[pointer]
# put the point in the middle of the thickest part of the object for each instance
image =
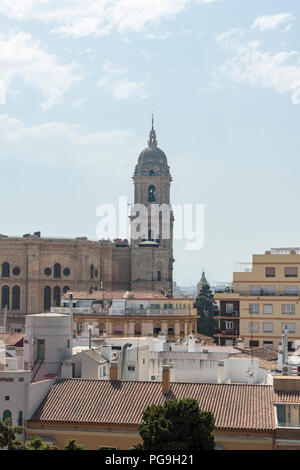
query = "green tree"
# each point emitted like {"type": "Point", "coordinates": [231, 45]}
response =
{"type": "Point", "coordinates": [38, 444]}
{"type": "Point", "coordinates": [177, 425]}
{"type": "Point", "coordinates": [8, 439]}
{"type": "Point", "coordinates": [206, 308]}
{"type": "Point", "coordinates": [73, 446]}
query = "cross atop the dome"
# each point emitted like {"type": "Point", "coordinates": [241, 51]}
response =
{"type": "Point", "coordinates": [152, 140]}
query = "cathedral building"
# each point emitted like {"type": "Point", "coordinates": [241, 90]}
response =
{"type": "Point", "coordinates": [35, 272]}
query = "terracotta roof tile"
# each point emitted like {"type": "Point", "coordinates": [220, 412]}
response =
{"type": "Point", "coordinates": [248, 407]}
{"type": "Point", "coordinates": [12, 339]}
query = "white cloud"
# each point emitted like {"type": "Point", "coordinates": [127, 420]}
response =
{"type": "Point", "coordinates": [22, 57]}
{"type": "Point", "coordinates": [85, 17]}
{"type": "Point", "coordinates": [251, 65]}
{"type": "Point", "coordinates": [61, 145]}
{"type": "Point", "coordinates": [116, 82]}
{"type": "Point", "coordinates": [269, 22]}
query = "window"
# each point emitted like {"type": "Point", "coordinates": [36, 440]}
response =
{"type": "Point", "coordinates": [47, 298]}
{"type": "Point", "coordinates": [151, 173]}
{"type": "Point", "coordinates": [57, 271]}
{"type": "Point", "coordinates": [48, 271]}
{"type": "Point", "coordinates": [151, 193]}
{"type": "Point", "coordinates": [253, 327]}
{"type": "Point", "coordinates": [6, 415]}
{"type": "Point", "coordinates": [281, 414]}
{"type": "Point", "coordinates": [268, 344]}
{"type": "Point", "coordinates": [253, 344]}
{"type": "Point", "coordinates": [291, 272]}
{"type": "Point", "coordinates": [131, 368]}
{"type": "Point", "coordinates": [254, 308]}
{"type": "Point", "coordinates": [289, 326]}
{"type": "Point", "coordinates": [156, 329]}
{"type": "Point", "coordinates": [268, 327]}
{"type": "Point", "coordinates": [5, 270]}
{"type": "Point", "coordinates": [159, 275]}
{"type": "Point", "coordinates": [229, 325]}
{"type": "Point", "coordinates": [229, 308]}
{"type": "Point", "coordinates": [92, 271]}
{"type": "Point", "coordinates": [67, 272]}
{"type": "Point", "coordinates": [268, 308]}
{"type": "Point", "coordinates": [118, 329]}
{"type": "Point", "coordinates": [138, 329]}
{"type": "Point", "coordinates": [56, 296]}
{"type": "Point", "coordinates": [5, 297]}
{"type": "Point", "coordinates": [16, 271]}
{"type": "Point", "coordinates": [66, 289]}
{"type": "Point", "coordinates": [6, 398]}
{"type": "Point", "coordinates": [20, 419]}
{"type": "Point", "coordinates": [288, 309]}
{"type": "Point", "coordinates": [291, 290]}
{"type": "Point", "coordinates": [270, 290]}
{"type": "Point", "coordinates": [270, 272]}
{"type": "Point", "coordinates": [16, 294]}
{"type": "Point", "coordinates": [255, 290]}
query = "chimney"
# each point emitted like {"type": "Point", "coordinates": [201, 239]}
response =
{"type": "Point", "coordinates": [114, 372]}
{"type": "Point", "coordinates": [166, 379]}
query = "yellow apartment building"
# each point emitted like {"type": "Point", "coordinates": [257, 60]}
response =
{"type": "Point", "coordinates": [262, 301]}
{"type": "Point", "coordinates": [131, 313]}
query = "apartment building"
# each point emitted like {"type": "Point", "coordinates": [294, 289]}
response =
{"type": "Point", "coordinates": [263, 300]}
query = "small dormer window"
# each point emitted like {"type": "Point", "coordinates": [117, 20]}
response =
{"type": "Point", "coordinates": [151, 173]}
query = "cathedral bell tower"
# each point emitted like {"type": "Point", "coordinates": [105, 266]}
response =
{"type": "Point", "coordinates": [152, 222]}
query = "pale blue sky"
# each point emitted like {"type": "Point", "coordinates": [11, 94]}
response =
{"type": "Point", "coordinates": [223, 79]}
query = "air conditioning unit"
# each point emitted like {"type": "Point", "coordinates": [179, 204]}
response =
{"type": "Point", "coordinates": [155, 378]}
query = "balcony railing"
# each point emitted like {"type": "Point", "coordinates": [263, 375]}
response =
{"type": "Point", "coordinates": [234, 314]}
{"type": "Point", "coordinates": [261, 293]}
{"type": "Point", "coordinates": [225, 332]}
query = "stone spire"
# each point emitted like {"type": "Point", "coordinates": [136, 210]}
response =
{"type": "Point", "coordinates": [152, 142]}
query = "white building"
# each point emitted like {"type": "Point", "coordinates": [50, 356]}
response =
{"type": "Point", "coordinates": [47, 342]}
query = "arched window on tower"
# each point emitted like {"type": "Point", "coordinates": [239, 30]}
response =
{"type": "Point", "coordinates": [57, 271]}
{"type": "Point", "coordinates": [47, 298]}
{"type": "Point", "coordinates": [5, 270]}
{"type": "Point", "coordinates": [56, 296]}
{"type": "Point", "coordinates": [151, 193]}
{"type": "Point", "coordinates": [16, 296]}
{"type": "Point", "coordinates": [5, 297]}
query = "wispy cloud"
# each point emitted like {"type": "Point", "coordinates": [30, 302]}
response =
{"type": "Point", "coordinates": [269, 22]}
{"type": "Point", "coordinates": [60, 145]}
{"type": "Point", "coordinates": [251, 65]}
{"type": "Point", "coordinates": [23, 57]}
{"type": "Point", "coordinates": [115, 81]}
{"type": "Point", "coordinates": [80, 18]}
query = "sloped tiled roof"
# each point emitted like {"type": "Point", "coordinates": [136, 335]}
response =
{"type": "Point", "coordinates": [12, 339]}
{"type": "Point", "coordinates": [243, 407]}
{"type": "Point", "coordinates": [268, 354]}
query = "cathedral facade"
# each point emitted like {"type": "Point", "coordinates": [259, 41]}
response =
{"type": "Point", "coordinates": [35, 272]}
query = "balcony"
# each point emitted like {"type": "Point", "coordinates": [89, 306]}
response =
{"type": "Point", "coordinates": [261, 293]}
{"type": "Point", "coordinates": [233, 314]}
{"type": "Point", "coordinates": [221, 332]}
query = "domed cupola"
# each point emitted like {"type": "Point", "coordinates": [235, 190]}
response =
{"type": "Point", "coordinates": [152, 161]}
